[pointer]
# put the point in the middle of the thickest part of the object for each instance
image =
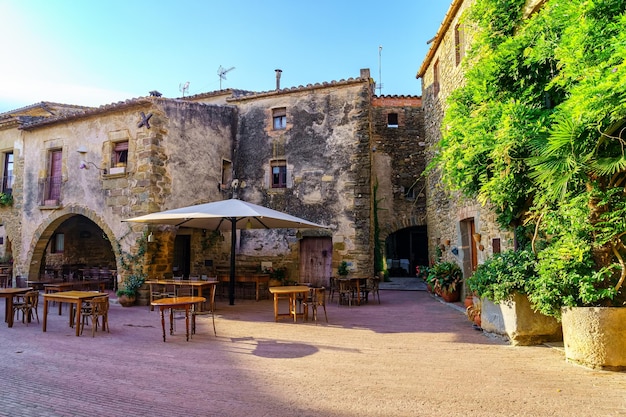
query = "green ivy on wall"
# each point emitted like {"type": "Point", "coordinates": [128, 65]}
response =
{"type": "Point", "coordinates": [6, 199]}
{"type": "Point", "coordinates": [538, 131]}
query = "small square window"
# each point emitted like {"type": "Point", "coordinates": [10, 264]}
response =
{"type": "Point", "coordinates": [392, 120]}
{"type": "Point", "coordinates": [279, 117]}
{"type": "Point", "coordinates": [119, 158]}
{"type": "Point", "coordinates": [279, 174]}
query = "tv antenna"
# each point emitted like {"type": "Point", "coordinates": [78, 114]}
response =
{"type": "Point", "coordinates": [380, 76]}
{"type": "Point", "coordinates": [221, 71]}
{"type": "Point", "coordinates": [184, 88]}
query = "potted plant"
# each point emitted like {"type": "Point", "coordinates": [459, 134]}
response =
{"type": "Point", "coordinates": [127, 295]}
{"type": "Point", "coordinates": [343, 269]}
{"type": "Point", "coordinates": [445, 278]}
{"type": "Point", "coordinates": [277, 276]}
{"type": "Point", "coordinates": [580, 276]}
{"type": "Point", "coordinates": [133, 271]}
{"type": "Point", "coordinates": [503, 275]}
{"type": "Point", "coordinates": [503, 282]}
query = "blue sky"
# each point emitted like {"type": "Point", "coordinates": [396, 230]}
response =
{"type": "Point", "coordinates": [95, 52]}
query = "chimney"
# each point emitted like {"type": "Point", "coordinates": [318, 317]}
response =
{"type": "Point", "coordinates": [278, 72]}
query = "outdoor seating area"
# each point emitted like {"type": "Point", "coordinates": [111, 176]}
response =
{"type": "Point", "coordinates": [354, 290]}
{"type": "Point", "coordinates": [252, 351]}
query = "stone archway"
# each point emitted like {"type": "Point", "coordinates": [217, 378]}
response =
{"type": "Point", "coordinates": [406, 245]}
{"type": "Point", "coordinates": [82, 224]}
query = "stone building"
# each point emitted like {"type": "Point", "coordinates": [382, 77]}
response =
{"type": "Point", "coordinates": [462, 229]}
{"type": "Point", "coordinates": [332, 153]}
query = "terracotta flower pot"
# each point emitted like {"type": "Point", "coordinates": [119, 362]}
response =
{"type": "Point", "coordinates": [450, 296]}
{"type": "Point", "coordinates": [469, 300]}
{"type": "Point", "coordinates": [126, 300]}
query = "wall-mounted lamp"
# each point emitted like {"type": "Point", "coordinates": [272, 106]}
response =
{"type": "Point", "coordinates": [82, 149]}
{"type": "Point", "coordinates": [85, 165]}
{"type": "Point", "coordinates": [477, 237]}
{"type": "Point", "coordinates": [150, 238]}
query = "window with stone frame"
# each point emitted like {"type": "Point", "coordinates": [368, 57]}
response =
{"type": "Point", "coordinates": [279, 118]}
{"type": "Point", "coordinates": [119, 155]}
{"type": "Point", "coordinates": [7, 177]}
{"type": "Point", "coordinates": [459, 43]}
{"type": "Point", "coordinates": [436, 76]}
{"type": "Point", "coordinates": [279, 173]}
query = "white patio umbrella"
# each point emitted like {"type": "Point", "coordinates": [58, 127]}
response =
{"type": "Point", "coordinates": [227, 215]}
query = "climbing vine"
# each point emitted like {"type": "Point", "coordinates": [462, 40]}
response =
{"type": "Point", "coordinates": [378, 254]}
{"type": "Point", "coordinates": [133, 265]}
{"type": "Point", "coordinates": [538, 132]}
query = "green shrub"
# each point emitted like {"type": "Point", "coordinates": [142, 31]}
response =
{"type": "Point", "coordinates": [444, 276]}
{"type": "Point", "coordinates": [504, 274]}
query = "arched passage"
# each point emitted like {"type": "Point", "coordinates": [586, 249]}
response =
{"type": "Point", "coordinates": [73, 242]}
{"type": "Point", "coordinates": [405, 249]}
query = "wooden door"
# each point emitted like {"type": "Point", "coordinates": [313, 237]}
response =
{"type": "Point", "coordinates": [315, 260]}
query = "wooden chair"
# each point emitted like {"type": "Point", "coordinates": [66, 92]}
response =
{"type": "Point", "coordinates": [158, 291]}
{"type": "Point", "coordinates": [94, 309]}
{"type": "Point", "coordinates": [372, 288]}
{"type": "Point", "coordinates": [27, 305]}
{"type": "Point", "coordinates": [316, 299]}
{"type": "Point", "coordinates": [181, 291]}
{"type": "Point", "coordinates": [205, 312]}
{"type": "Point", "coordinates": [334, 288]}
{"type": "Point", "coordinates": [346, 291]}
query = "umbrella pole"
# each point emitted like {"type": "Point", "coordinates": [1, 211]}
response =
{"type": "Point", "coordinates": [231, 283]}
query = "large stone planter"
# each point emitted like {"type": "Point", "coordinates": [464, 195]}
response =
{"type": "Point", "coordinates": [517, 321]}
{"type": "Point", "coordinates": [595, 336]}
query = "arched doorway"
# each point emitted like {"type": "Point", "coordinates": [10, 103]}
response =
{"type": "Point", "coordinates": [73, 247]}
{"type": "Point", "coordinates": [405, 249]}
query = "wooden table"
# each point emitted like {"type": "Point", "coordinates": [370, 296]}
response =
{"type": "Point", "coordinates": [358, 285]}
{"type": "Point", "coordinates": [72, 297]}
{"type": "Point", "coordinates": [199, 285]}
{"type": "Point", "coordinates": [8, 294]}
{"type": "Point", "coordinates": [76, 285]}
{"type": "Point", "coordinates": [85, 285]}
{"type": "Point", "coordinates": [257, 279]}
{"type": "Point", "coordinates": [173, 302]}
{"type": "Point", "coordinates": [292, 292]}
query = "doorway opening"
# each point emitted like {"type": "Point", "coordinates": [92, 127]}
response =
{"type": "Point", "coordinates": [406, 249]}
{"type": "Point", "coordinates": [182, 256]}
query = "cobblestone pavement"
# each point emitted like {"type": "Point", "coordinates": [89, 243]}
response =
{"type": "Point", "coordinates": [409, 356]}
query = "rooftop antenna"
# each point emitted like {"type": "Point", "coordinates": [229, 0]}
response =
{"type": "Point", "coordinates": [380, 76]}
{"type": "Point", "coordinates": [221, 71]}
{"type": "Point", "coordinates": [184, 88]}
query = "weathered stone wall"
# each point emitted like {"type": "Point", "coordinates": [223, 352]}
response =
{"type": "Point", "coordinates": [398, 158]}
{"type": "Point", "coordinates": [326, 147]}
{"type": "Point", "coordinates": [10, 226]}
{"type": "Point", "coordinates": [445, 210]}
